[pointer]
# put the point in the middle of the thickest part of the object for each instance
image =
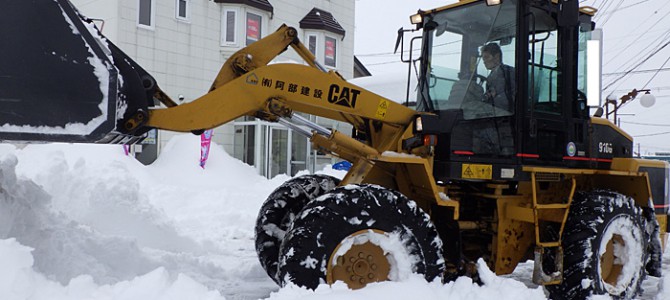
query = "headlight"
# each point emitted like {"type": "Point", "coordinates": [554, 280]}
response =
{"type": "Point", "coordinates": [416, 19]}
{"type": "Point", "coordinates": [418, 124]}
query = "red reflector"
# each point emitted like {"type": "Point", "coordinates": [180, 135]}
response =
{"type": "Point", "coordinates": [460, 152]}
{"type": "Point", "coordinates": [526, 155]}
{"type": "Point", "coordinates": [430, 140]}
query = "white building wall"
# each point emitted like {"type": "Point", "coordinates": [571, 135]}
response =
{"type": "Point", "coordinates": [185, 56]}
{"type": "Point", "coordinates": [107, 10]}
{"type": "Point", "coordinates": [291, 12]}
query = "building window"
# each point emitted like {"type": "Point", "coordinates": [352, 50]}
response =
{"type": "Point", "coordinates": [253, 28]}
{"type": "Point", "coordinates": [182, 9]}
{"type": "Point", "coordinates": [146, 13]}
{"type": "Point", "coordinates": [330, 52]}
{"type": "Point", "coordinates": [229, 36]}
{"type": "Point", "coordinates": [311, 43]}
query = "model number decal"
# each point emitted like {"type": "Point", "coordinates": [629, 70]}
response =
{"type": "Point", "coordinates": [605, 148]}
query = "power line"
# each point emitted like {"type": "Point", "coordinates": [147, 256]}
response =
{"type": "Point", "coordinates": [625, 7]}
{"type": "Point", "coordinates": [659, 69]}
{"type": "Point", "coordinates": [605, 8]}
{"type": "Point", "coordinates": [385, 53]}
{"type": "Point", "coordinates": [626, 36]}
{"type": "Point", "coordinates": [652, 88]}
{"type": "Point", "coordinates": [646, 124]}
{"type": "Point", "coordinates": [652, 134]}
{"type": "Point", "coordinates": [639, 37]}
{"type": "Point", "coordinates": [610, 14]}
{"type": "Point", "coordinates": [406, 51]}
{"type": "Point", "coordinates": [634, 4]}
{"type": "Point", "coordinates": [658, 148]}
{"type": "Point", "coordinates": [656, 51]}
{"type": "Point", "coordinates": [638, 71]}
{"type": "Point", "coordinates": [649, 48]}
{"type": "Point", "coordinates": [384, 63]}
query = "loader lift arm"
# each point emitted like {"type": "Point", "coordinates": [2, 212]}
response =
{"type": "Point", "coordinates": [247, 86]}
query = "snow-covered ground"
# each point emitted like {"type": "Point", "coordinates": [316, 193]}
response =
{"type": "Point", "coordinates": [88, 222]}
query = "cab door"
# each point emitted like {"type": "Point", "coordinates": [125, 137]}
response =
{"type": "Point", "coordinates": [545, 129]}
{"type": "Point", "coordinates": [556, 117]}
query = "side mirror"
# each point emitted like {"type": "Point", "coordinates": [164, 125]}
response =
{"type": "Point", "coordinates": [599, 112]}
{"type": "Point", "coordinates": [401, 33]}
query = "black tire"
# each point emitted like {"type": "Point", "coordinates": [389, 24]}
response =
{"type": "Point", "coordinates": [655, 249]}
{"type": "Point", "coordinates": [325, 222]}
{"type": "Point", "coordinates": [280, 209]}
{"type": "Point", "coordinates": [597, 219]}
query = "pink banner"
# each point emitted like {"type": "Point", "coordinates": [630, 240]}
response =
{"type": "Point", "coordinates": [205, 141]}
{"type": "Point", "coordinates": [253, 29]}
{"type": "Point", "coordinates": [330, 49]}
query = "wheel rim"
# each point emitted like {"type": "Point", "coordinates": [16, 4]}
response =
{"type": "Point", "coordinates": [610, 263]}
{"type": "Point", "coordinates": [358, 260]}
{"type": "Point", "coordinates": [620, 255]}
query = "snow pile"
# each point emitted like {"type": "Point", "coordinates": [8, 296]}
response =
{"type": "Point", "coordinates": [664, 284]}
{"type": "Point", "coordinates": [416, 287]}
{"type": "Point", "coordinates": [103, 226]}
{"type": "Point", "coordinates": [18, 280]}
{"type": "Point", "coordinates": [63, 248]}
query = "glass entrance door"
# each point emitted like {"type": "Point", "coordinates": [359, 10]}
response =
{"type": "Point", "coordinates": [273, 150]}
{"type": "Point", "coordinates": [299, 151]}
{"type": "Point", "coordinates": [278, 160]}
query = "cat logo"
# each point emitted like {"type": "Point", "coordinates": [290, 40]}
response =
{"type": "Point", "coordinates": [252, 79]}
{"type": "Point", "coordinates": [342, 95]}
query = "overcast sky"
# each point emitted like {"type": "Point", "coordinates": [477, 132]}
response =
{"type": "Point", "coordinates": [633, 30]}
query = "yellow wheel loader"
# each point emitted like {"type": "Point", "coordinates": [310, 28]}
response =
{"type": "Point", "coordinates": [500, 159]}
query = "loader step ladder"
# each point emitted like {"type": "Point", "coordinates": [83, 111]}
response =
{"type": "Point", "coordinates": [560, 214]}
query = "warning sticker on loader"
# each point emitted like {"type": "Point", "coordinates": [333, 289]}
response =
{"type": "Point", "coordinates": [382, 108]}
{"type": "Point", "coordinates": [475, 171]}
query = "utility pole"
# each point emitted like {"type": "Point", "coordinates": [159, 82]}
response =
{"type": "Point", "coordinates": [639, 154]}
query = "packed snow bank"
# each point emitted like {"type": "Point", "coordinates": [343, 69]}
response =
{"type": "Point", "coordinates": [179, 164]}
{"type": "Point", "coordinates": [63, 248]}
{"type": "Point", "coordinates": [664, 282]}
{"type": "Point", "coordinates": [18, 280]}
{"type": "Point", "coordinates": [90, 209]}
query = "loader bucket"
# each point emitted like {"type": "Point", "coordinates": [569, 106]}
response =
{"type": "Point", "coordinates": [58, 80]}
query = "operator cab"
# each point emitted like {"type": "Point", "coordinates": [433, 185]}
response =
{"type": "Point", "coordinates": [527, 107]}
